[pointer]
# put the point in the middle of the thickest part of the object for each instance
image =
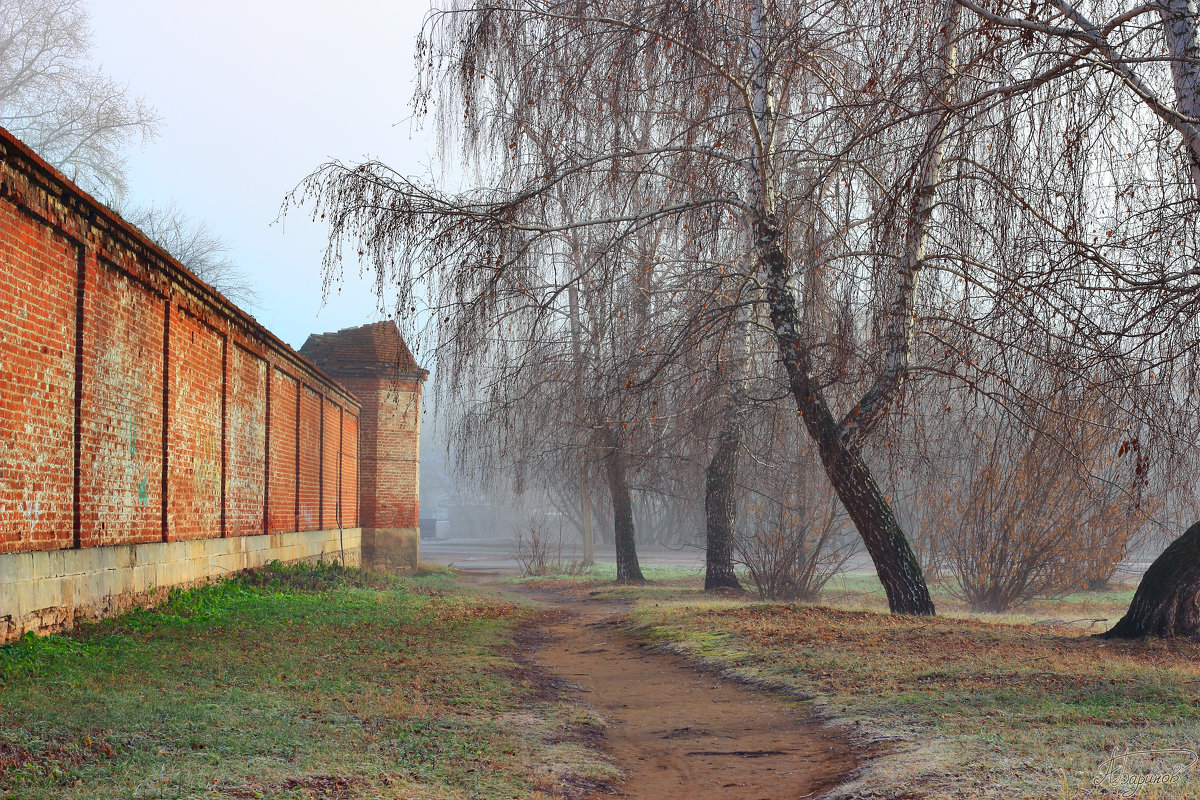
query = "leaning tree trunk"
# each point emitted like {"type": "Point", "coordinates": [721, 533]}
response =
{"type": "Point", "coordinates": [895, 562]}
{"type": "Point", "coordinates": [720, 507]}
{"type": "Point", "coordinates": [1165, 603]}
{"type": "Point", "coordinates": [628, 568]}
{"type": "Point", "coordinates": [840, 444]}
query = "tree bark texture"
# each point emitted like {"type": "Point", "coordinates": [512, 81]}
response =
{"type": "Point", "coordinates": [1165, 603]}
{"type": "Point", "coordinates": [895, 562]}
{"type": "Point", "coordinates": [628, 568]}
{"type": "Point", "coordinates": [1181, 31]}
{"type": "Point", "coordinates": [720, 509]}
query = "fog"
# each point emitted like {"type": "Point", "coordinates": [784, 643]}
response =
{"type": "Point", "coordinates": [254, 97]}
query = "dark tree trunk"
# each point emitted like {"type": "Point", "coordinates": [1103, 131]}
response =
{"type": "Point", "coordinates": [585, 514]}
{"type": "Point", "coordinates": [895, 562]}
{"type": "Point", "coordinates": [1165, 603]}
{"type": "Point", "coordinates": [720, 508]}
{"type": "Point", "coordinates": [628, 568]}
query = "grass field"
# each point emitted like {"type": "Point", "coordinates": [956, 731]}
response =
{"type": "Point", "coordinates": [603, 573]}
{"type": "Point", "coordinates": [290, 683]}
{"type": "Point", "coordinates": [308, 682]}
{"type": "Point", "coordinates": [1081, 612]}
{"type": "Point", "coordinates": [1022, 705]}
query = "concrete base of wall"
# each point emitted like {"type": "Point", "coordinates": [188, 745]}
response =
{"type": "Point", "coordinates": [391, 549]}
{"type": "Point", "coordinates": [47, 591]}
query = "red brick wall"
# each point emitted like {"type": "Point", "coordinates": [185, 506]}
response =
{"type": "Point", "coordinates": [284, 394]}
{"type": "Point", "coordinates": [368, 472]}
{"type": "Point", "coordinates": [350, 470]}
{"type": "Point", "coordinates": [196, 429]}
{"type": "Point", "coordinates": [374, 363]}
{"type": "Point", "coordinates": [37, 384]}
{"type": "Point", "coordinates": [331, 423]}
{"type": "Point", "coordinates": [121, 422]}
{"type": "Point", "coordinates": [390, 441]}
{"type": "Point", "coordinates": [246, 444]}
{"type": "Point", "coordinates": [399, 432]}
{"type": "Point", "coordinates": [310, 460]}
{"type": "Point", "coordinates": [183, 407]}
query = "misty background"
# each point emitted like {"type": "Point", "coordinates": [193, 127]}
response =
{"type": "Point", "coordinates": [250, 99]}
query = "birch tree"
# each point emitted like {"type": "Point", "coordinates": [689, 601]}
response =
{"type": "Point", "coordinates": [759, 116]}
{"type": "Point", "coordinates": [929, 188]}
{"type": "Point", "coordinates": [1133, 72]}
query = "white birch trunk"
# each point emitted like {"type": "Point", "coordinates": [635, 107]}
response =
{"type": "Point", "coordinates": [902, 317]}
{"type": "Point", "coordinates": [1181, 31]}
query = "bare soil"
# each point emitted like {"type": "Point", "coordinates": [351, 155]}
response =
{"type": "Point", "coordinates": [676, 731]}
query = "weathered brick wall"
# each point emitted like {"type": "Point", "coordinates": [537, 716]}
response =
{"type": "Point", "coordinates": [284, 505]}
{"type": "Point", "coordinates": [121, 422]}
{"type": "Point", "coordinates": [391, 425]}
{"type": "Point", "coordinates": [137, 405]}
{"type": "Point", "coordinates": [37, 360]}
{"type": "Point", "coordinates": [331, 456]}
{"type": "Point", "coordinates": [246, 420]}
{"type": "Point", "coordinates": [350, 498]}
{"type": "Point", "coordinates": [195, 429]}
{"type": "Point", "coordinates": [310, 460]}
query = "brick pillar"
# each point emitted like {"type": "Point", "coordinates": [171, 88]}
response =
{"type": "Point", "coordinates": [374, 363]}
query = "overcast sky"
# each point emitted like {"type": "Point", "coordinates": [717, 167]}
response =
{"type": "Point", "coordinates": [253, 96]}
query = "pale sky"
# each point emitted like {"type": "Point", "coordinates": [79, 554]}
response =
{"type": "Point", "coordinates": [253, 96]}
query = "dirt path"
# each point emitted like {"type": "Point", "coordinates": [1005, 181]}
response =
{"type": "Point", "coordinates": [677, 732]}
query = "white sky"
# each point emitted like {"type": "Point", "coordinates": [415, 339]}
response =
{"type": "Point", "coordinates": [253, 96]}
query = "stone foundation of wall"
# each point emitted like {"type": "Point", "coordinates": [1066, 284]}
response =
{"type": "Point", "coordinates": [391, 549]}
{"type": "Point", "coordinates": [49, 590]}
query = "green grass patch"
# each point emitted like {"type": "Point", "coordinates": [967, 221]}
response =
{"type": "Point", "coordinates": [289, 682]}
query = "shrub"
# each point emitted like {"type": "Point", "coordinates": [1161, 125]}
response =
{"type": "Point", "coordinates": [791, 538]}
{"type": "Point", "coordinates": [537, 555]}
{"type": "Point", "coordinates": [1039, 509]}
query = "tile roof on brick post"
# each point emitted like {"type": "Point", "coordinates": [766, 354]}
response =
{"type": "Point", "coordinates": [369, 349]}
{"type": "Point", "coordinates": [374, 363]}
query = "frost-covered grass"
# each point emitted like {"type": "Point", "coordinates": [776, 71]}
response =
{"type": "Point", "coordinates": [1080, 611]}
{"type": "Point", "coordinates": [605, 572]}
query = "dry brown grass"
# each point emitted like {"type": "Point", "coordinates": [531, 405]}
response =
{"type": "Point", "coordinates": [977, 707]}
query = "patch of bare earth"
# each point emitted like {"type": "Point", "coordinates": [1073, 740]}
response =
{"type": "Point", "coordinates": [326, 787]}
{"type": "Point", "coordinates": [678, 732]}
